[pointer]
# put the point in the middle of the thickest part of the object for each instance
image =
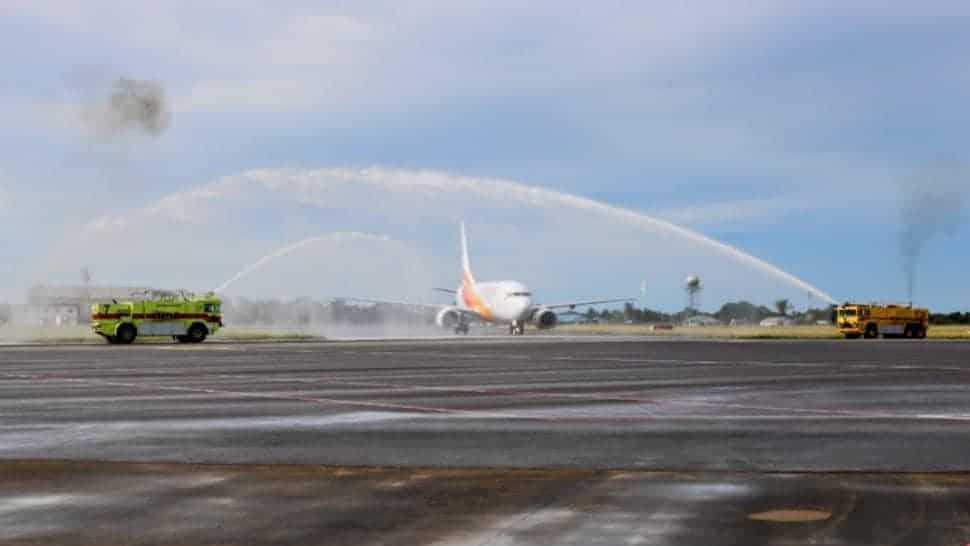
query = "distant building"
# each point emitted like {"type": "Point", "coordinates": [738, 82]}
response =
{"type": "Point", "coordinates": [701, 320]}
{"type": "Point", "coordinates": [775, 322]}
{"type": "Point", "coordinates": [44, 315]}
{"type": "Point", "coordinates": [68, 305]}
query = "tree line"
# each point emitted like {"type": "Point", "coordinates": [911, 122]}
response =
{"type": "Point", "coordinates": [737, 312]}
{"type": "Point", "coordinates": [743, 311]}
{"type": "Point", "coordinates": [943, 319]}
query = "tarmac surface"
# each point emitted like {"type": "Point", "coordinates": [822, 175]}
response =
{"type": "Point", "coordinates": [487, 441]}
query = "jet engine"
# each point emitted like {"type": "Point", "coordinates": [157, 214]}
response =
{"type": "Point", "coordinates": [545, 319]}
{"type": "Point", "coordinates": [447, 318]}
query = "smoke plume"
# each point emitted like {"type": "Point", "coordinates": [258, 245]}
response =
{"type": "Point", "coordinates": [130, 105]}
{"type": "Point", "coordinates": [932, 206]}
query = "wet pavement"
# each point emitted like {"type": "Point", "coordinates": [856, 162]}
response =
{"type": "Point", "coordinates": [105, 504]}
{"type": "Point", "coordinates": [725, 406]}
{"type": "Point", "coordinates": [530, 441]}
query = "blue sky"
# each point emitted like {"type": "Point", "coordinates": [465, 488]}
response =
{"type": "Point", "coordinates": [786, 129]}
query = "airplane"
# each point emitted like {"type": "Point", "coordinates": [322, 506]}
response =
{"type": "Point", "coordinates": [496, 302]}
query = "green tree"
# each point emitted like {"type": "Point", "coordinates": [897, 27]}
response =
{"type": "Point", "coordinates": [742, 311]}
{"type": "Point", "coordinates": [782, 306]}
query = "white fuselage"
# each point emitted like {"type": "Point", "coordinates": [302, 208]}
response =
{"type": "Point", "coordinates": [499, 301]}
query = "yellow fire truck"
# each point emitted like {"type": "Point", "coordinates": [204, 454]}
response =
{"type": "Point", "coordinates": [185, 317]}
{"type": "Point", "coordinates": [871, 321]}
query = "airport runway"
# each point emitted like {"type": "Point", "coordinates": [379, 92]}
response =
{"type": "Point", "coordinates": [488, 441]}
{"type": "Point", "coordinates": [98, 504]}
{"type": "Point", "coordinates": [649, 405]}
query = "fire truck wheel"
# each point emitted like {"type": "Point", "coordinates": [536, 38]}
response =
{"type": "Point", "coordinates": [872, 331]}
{"type": "Point", "coordinates": [919, 332]}
{"type": "Point", "coordinates": [126, 334]}
{"type": "Point", "coordinates": [197, 333]}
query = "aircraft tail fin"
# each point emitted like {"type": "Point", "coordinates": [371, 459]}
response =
{"type": "Point", "coordinates": [465, 262]}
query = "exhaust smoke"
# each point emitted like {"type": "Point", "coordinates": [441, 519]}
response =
{"type": "Point", "coordinates": [932, 206]}
{"type": "Point", "coordinates": [130, 105]}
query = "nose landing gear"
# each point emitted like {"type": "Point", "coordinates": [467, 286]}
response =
{"type": "Point", "coordinates": [517, 328]}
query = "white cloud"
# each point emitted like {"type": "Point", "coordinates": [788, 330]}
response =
{"type": "Point", "coordinates": [743, 211]}
{"type": "Point", "coordinates": [640, 76]}
{"type": "Point", "coordinates": [331, 56]}
{"type": "Point", "coordinates": [334, 56]}
{"type": "Point", "coordinates": [672, 90]}
{"type": "Point", "coordinates": [7, 197]}
{"type": "Point", "coordinates": [39, 114]}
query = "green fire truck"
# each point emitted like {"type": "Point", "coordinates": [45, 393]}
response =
{"type": "Point", "coordinates": [187, 318]}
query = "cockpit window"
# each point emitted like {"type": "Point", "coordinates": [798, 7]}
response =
{"type": "Point", "coordinates": [520, 294]}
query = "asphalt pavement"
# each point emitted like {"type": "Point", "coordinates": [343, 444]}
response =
{"type": "Point", "coordinates": [540, 403]}
{"type": "Point", "coordinates": [614, 441]}
{"type": "Point", "coordinates": [121, 503]}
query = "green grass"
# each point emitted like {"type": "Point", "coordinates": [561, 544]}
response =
{"type": "Point", "coordinates": [742, 332]}
{"type": "Point", "coordinates": [949, 332]}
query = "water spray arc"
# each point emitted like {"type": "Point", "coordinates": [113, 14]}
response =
{"type": "Point", "coordinates": [318, 187]}
{"type": "Point", "coordinates": [291, 248]}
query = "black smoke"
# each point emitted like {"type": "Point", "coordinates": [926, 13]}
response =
{"type": "Point", "coordinates": [129, 105]}
{"type": "Point", "coordinates": [932, 206]}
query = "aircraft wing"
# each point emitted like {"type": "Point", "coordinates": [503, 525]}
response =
{"type": "Point", "coordinates": [467, 312]}
{"type": "Point", "coordinates": [574, 304]}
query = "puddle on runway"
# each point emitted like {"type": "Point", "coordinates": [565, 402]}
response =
{"type": "Point", "coordinates": [791, 515]}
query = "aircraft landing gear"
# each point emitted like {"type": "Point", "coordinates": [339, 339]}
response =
{"type": "Point", "coordinates": [517, 328]}
{"type": "Point", "coordinates": [462, 328]}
